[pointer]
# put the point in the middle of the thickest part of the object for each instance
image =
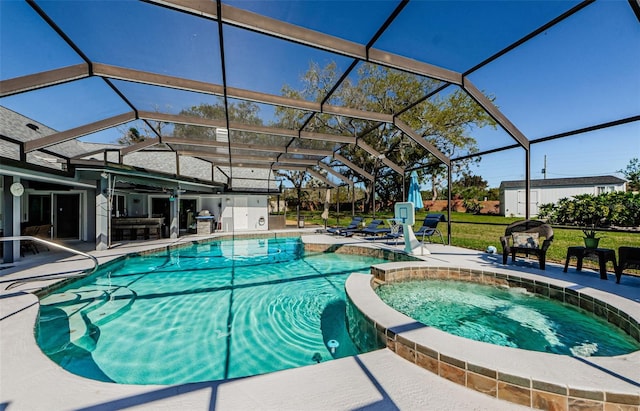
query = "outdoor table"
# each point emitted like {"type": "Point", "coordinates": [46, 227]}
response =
{"type": "Point", "coordinates": [603, 255]}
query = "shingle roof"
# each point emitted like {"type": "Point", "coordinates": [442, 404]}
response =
{"type": "Point", "coordinates": [561, 182]}
{"type": "Point", "coordinates": [13, 126]}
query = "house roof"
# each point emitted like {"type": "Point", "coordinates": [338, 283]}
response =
{"type": "Point", "coordinates": [159, 158]}
{"type": "Point", "coordinates": [18, 128]}
{"type": "Point", "coordinates": [22, 129]}
{"type": "Point", "coordinates": [564, 182]}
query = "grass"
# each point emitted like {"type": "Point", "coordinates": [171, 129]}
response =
{"type": "Point", "coordinates": [477, 232]}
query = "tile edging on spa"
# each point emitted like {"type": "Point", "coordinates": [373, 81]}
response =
{"type": "Point", "coordinates": [503, 385]}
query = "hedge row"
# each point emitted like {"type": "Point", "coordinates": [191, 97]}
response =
{"type": "Point", "coordinates": [619, 209]}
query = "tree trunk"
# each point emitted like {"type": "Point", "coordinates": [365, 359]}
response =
{"type": "Point", "coordinates": [367, 197]}
{"type": "Point", "coordinates": [434, 188]}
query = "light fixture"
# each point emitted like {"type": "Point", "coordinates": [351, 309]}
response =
{"type": "Point", "coordinates": [333, 344]}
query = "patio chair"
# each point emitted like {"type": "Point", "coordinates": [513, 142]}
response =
{"type": "Point", "coordinates": [353, 225]}
{"type": "Point", "coordinates": [430, 226]}
{"type": "Point", "coordinates": [523, 237]}
{"type": "Point", "coordinates": [29, 245]}
{"type": "Point", "coordinates": [627, 257]}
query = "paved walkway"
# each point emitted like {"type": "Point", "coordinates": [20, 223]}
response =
{"type": "Point", "coordinates": [378, 380]}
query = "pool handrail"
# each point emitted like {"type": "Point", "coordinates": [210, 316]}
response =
{"type": "Point", "coordinates": [51, 244]}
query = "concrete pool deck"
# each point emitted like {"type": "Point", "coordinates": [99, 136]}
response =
{"type": "Point", "coordinates": [376, 380]}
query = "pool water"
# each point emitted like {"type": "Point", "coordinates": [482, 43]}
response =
{"type": "Point", "coordinates": [211, 311]}
{"type": "Point", "coordinates": [509, 317]}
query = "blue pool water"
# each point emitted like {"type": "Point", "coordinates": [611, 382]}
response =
{"type": "Point", "coordinates": [507, 316]}
{"type": "Point", "coordinates": [212, 311]}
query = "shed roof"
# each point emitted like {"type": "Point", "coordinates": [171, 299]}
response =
{"type": "Point", "coordinates": [564, 182]}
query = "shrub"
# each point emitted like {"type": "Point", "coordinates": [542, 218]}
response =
{"type": "Point", "coordinates": [617, 208]}
{"type": "Point", "coordinates": [547, 212]}
{"type": "Point", "coordinates": [472, 206]}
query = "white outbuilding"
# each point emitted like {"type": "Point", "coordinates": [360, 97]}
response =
{"type": "Point", "coordinates": [512, 193]}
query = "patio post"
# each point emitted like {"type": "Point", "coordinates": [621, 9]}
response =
{"type": "Point", "coordinates": [174, 221]}
{"type": "Point", "coordinates": [404, 194]}
{"type": "Point", "coordinates": [449, 184]}
{"type": "Point", "coordinates": [338, 205]}
{"type": "Point", "coordinates": [527, 183]}
{"type": "Point", "coordinates": [11, 220]}
{"type": "Point", "coordinates": [103, 214]}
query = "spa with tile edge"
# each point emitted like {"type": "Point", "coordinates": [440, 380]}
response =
{"type": "Point", "coordinates": [536, 379]}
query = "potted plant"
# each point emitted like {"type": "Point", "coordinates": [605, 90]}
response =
{"type": "Point", "coordinates": [590, 237]}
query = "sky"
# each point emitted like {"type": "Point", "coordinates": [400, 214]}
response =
{"type": "Point", "coordinates": [580, 73]}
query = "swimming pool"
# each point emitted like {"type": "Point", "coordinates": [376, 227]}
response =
{"type": "Point", "coordinates": [211, 311]}
{"type": "Point", "coordinates": [510, 317]}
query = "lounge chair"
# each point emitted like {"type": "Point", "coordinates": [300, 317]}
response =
{"type": "Point", "coordinates": [353, 225]}
{"type": "Point", "coordinates": [628, 257]}
{"type": "Point", "coordinates": [430, 227]}
{"type": "Point", "coordinates": [524, 237]}
{"type": "Point", "coordinates": [374, 228]}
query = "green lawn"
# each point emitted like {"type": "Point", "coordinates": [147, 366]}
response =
{"type": "Point", "coordinates": [479, 231]}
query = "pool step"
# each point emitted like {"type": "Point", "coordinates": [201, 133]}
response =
{"type": "Point", "coordinates": [84, 323]}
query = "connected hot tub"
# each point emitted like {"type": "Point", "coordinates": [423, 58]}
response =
{"type": "Point", "coordinates": [541, 380]}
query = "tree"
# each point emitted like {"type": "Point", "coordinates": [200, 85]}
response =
{"type": "Point", "coordinates": [493, 194]}
{"type": "Point", "coordinates": [632, 174]}
{"type": "Point", "coordinates": [243, 112]}
{"type": "Point", "coordinates": [297, 178]}
{"type": "Point", "coordinates": [132, 136]}
{"type": "Point", "coordinates": [470, 187]}
{"type": "Point", "coordinates": [443, 120]}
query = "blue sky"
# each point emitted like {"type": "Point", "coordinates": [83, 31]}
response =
{"type": "Point", "coordinates": [579, 73]}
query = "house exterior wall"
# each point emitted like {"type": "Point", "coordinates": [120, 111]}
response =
{"type": "Point", "coordinates": [238, 212]}
{"type": "Point", "coordinates": [137, 205]}
{"type": "Point", "coordinates": [545, 195]}
{"type": "Point", "coordinates": [258, 215]}
{"type": "Point", "coordinates": [89, 227]}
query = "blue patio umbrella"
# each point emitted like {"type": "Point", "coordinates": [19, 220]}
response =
{"type": "Point", "coordinates": [414, 191]}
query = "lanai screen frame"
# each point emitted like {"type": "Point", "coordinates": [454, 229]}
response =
{"type": "Point", "coordinates": [308, 160]}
